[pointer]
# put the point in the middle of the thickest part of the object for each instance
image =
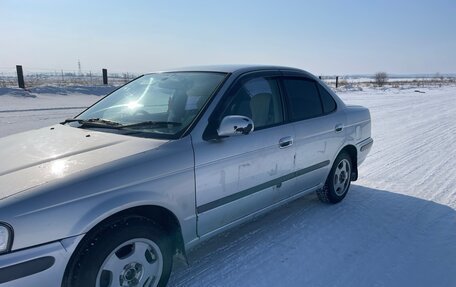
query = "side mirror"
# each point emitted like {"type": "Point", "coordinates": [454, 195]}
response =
{"type": "Point", "coordinates": [234, 126]}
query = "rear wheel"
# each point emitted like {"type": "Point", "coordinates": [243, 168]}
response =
{"type": "Point", "coordinates": [338, 181]}
{"type": "Point", "coordinates": [128, 252]}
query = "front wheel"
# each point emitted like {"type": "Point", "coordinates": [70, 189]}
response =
{"type": "Point", "coordinates": [338, 181]}
{"type": "Point", "coordinates": [128, 252]}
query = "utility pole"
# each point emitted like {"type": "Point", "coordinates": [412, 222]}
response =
{"type": "Point", "coordinates": [20, 77]}
{"type": "Point", "coordinates": [79, 67]}
{"type": "Point", "coordinates": [105, 76]}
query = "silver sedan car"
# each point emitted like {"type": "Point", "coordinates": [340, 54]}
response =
{"type": "Point", "coordinates": [114, 195]}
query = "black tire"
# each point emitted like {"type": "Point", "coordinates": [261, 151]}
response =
{"type": "Point", "coordinates": [328, 193]}
{"type": "Point", "coordinates": [100, 243]}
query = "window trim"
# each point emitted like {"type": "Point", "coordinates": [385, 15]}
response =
{"type": "Point", "coordinates": [285, 100]}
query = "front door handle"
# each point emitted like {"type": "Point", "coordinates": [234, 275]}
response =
{"type": "Point", "coordinates": [285, 142]}
{"type": "Point", "coordinates": [339, 127]}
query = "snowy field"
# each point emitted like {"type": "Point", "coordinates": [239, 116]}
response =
{"type": "Point", "coordinates": [396, 227]}
{"type": "Point", "coordinates": [21, 111]}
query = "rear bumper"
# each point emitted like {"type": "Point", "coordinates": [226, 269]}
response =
{"type": "Point", "coordinates": [364, 148]}
{"type": "Point", "coordinates": [37, 266]}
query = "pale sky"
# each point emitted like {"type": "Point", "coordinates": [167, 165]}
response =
{"type": "Point", "coordinates": [323, 37]}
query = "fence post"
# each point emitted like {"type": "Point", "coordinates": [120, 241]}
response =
{"type": "Point", "coordinates": [20, 77]}
{"type": "Point", "coordinates": [105, 76]}
{"type": "Point", "coordinates": [337, 81]}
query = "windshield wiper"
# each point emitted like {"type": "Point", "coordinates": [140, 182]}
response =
{"type": "Point", "coordinates": [94, 123]}
{"type": "Point", "coordinates": [151, 124]}
{"type": "Point", "coordinates": [101, 123]}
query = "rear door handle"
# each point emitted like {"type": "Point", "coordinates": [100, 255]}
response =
{"type": "Point", "coordinates": [285, 142]}
{"type": "Point", "coordinates": [339, 127]}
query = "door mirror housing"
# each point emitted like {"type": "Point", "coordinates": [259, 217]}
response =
{"type": "Point", "coordinates": [235, 126]}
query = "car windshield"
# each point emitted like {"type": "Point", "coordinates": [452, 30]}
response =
{"type": "Point", "coordinates": [159, 105]}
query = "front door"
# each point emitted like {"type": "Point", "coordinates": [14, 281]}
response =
{"type": "Point", "coordinates": [239, 175]}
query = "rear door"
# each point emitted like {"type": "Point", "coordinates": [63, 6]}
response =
{"type": "Point", "coordinates": [239, 175]}
{"type": "Point", "coordinates": [318, 129]}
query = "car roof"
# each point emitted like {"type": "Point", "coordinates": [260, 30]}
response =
{"type": "Point", "coordinates": [231, 68]}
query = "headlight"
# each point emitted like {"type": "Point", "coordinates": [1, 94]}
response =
{"type": "Point", "coordinates": [5, 238]}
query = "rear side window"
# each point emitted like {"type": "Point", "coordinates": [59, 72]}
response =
{"type": "Point", "coordinates": [304, 99]}
{"type": "Point", "coordinates": [329, 105]}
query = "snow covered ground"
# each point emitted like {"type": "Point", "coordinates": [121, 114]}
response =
{"type": "Point", "coordinates": [43, 106]}
{"type": "Point", "coordinates": [397, 226]}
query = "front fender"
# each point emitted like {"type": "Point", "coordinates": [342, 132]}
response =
{"type": "Point", "coordinates": [70, 207]}
{"type": "Point", "coordinates": [138, 198]}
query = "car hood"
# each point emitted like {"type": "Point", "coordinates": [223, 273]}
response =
{"type": "Point", "coordinates": [36, 157]}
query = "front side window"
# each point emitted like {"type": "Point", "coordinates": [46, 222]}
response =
{"type": "Point", "coordinates": [258, 99]}
{"type": "Point", "coordinates": [304, 99]}
{"type": "Point", "coordinates": [161, 104]}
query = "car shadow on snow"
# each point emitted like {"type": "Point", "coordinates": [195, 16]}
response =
{"type": "Point", "coordinates": [372, 238]}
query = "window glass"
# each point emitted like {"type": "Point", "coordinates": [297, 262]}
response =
{"type": "Point", "coordinates": [258, 99]}
{"type": "Point", "coordinates": [329, 105]}
{"type": "Point", "coordinates": [304, 99]}
{"type": "Point", "coordinates": [172, 100]}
